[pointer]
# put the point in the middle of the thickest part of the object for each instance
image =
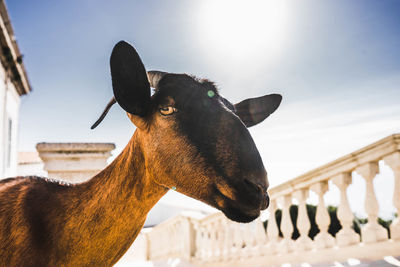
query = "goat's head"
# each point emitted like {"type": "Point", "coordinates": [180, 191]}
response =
{"type": "Point", "coordinates": [193, 139]}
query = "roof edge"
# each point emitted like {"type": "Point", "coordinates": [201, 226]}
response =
{"type": "Point", "coordinates": [13, 58]}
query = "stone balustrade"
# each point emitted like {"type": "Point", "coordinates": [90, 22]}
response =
{"type": "Point", "coordinates": [173, 238]}
{"type": "Point", "coordinates": [217, 241]}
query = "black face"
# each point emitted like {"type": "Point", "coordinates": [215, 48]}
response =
{"type": "Point", "coordinates": [194, 139]}
{"type": "Point", "coordinates": [209, 123]}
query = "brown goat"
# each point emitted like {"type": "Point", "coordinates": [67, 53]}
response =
{"type": "Point", "coordinates": [188, 138]}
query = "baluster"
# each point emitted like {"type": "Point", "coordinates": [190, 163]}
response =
{"type": "Point", "coordinates": [260, 237]}
{"type": "Point", "coordinates": [173, 236]}
{"type": "Point", "coordinates": [228, 239]}
{"type": "Point", "coordinates": [203, 244]}
{"type": "Point", "coordinates": [272, 230]}
{"type": "Point", "coordinates": [199, 240]}
{"type": "Point", "coordinates": [172, 249]}
{"type": "Point", "coordinates": [186, 237]}
{"type": "Point", "coordinates": [393, 161]}
{"type": "Point", "coordinates": [372, 231]}
{"type": "Point", "coordinates": [286, 244]}
{"type": "Point", "coordinates": [346, 236]}
{"type": "Point", "coordinates": [246, 234]}
{"type": "Point", "coordinates": [178, 248]}
{"type": "Point", "coordinates": [323, 239]}
{"type": "Point", "coordinates": [304, 242]}
{"type": "Point", "coordinates": [213, 239]}
{"type": "Point", "coordinates": [238, 241]}
{"type": "Point", "coordinates": [209, 242]}
{"type": "Point", "coordinates": [251, 238]}
{"type": "Point", "coordinates": [220, 231]}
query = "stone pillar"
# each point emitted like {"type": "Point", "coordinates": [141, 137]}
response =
{"type": "Point", "coordinates": [393, 161]}
{"type": "Point", "coordinates": [372, 231]}
{"type": "Point", "coordinates": [228, 240]}
{"type": "Point", "coordinates": [200, 236]}
{"type": "Point", "coordinates": [74, 162]}
{"type": "Point", "coordinates": [213, 240]}
{"type": "Point", "coordinates": [260, 233]}
{"type": "Point", "coordinates": [186, 229]}
{"type": "Point", "coordinates": [304, 242]}
{"type": "Point", "coordinates": [346, 236]}
{"type": "Point", "coordinates": [286, 244]}
{"type": "Point", "coordinates": [272, 230]}
{"type": "Point", "coordinates": [323, 239]}
{"type": "Point", "coordinates": [219, 239]}
{"type": "Point", "coordinates": [237, 241]}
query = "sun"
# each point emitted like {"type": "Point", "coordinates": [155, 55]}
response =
{"type": "Point", "coordinates": [242, 28]}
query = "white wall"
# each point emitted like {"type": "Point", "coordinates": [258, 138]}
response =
{"type": "Point", "coordinates": [9, 110]}
{"type": "Point", "coordinates": [2, 116]}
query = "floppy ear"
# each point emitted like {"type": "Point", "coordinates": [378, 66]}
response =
{"type": "Point", "coordinates": [254, 110]}
{"type": "Point", "coordinates": [129, 80]}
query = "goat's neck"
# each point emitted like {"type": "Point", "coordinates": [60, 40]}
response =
{"type": "Point", "coordinates": [113, 205]}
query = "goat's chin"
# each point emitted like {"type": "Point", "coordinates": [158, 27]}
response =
{"type": "Point", "coordinates": [241, 216]}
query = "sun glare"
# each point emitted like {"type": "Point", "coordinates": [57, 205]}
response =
{"type": "Point", "coordinates": [243, 28]}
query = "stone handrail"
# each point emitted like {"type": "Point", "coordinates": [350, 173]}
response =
{"type": "Point", "coordinates": [217, 241]}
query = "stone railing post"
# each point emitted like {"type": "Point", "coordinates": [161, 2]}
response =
{"type": "Point", "coordinates": [372, 231]}
{"type": "Point", "coordinates": [272, 230]}
{"type": "Point", "coordinates": [260, 234]}
{"type": "Point", "coordinates": [74, 162]}
{"type": "Point", "coordinates": [304, 242]}
{"type": "Point", "coordinates": [237, 241]}
{"type": "Point", "coordinates": [220, 236]}
{"type": "Point", "coordinates": [228, 241]}
{"type": "Point", "coordinates": [286, 244]}
{"type": "Point", "coordinates": [248, 239]}
{"type": "Point", "coordinates": [323, 239]}
{"type": "Point", "coordinates": [187, 230]}
{"type": "Point", "coordinates": [214, 239]}
{"type": "Point", "coordinates": [199, 240]}
{"type": "Point", "coordinates": [393, 161]}
{"type": "Point", "coordinates": [346, 236]}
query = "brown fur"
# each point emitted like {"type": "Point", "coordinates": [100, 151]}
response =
{"type": "Point", "coordinates": [90, 224]}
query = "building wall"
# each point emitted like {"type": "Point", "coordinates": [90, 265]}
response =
{"type": "Point", "coordinates": [14, 83]}
{"type": "Point", "coordinates": [9, 114]}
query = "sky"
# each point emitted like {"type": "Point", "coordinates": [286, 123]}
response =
{"type": "Point", "coordinates": [335, 62]}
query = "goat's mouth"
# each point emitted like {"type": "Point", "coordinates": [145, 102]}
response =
{"type": "Point", "coordinates": [237, 214]}
{"type": "Point", "coordinates": [244, 206]}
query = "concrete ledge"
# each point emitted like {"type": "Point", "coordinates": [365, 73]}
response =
{"type": "Point", "coordinates": [70, 148]}
{"type": "Point", "coordinates": [74, 162]}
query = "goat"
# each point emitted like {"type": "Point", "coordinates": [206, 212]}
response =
{"type": "Point", "coordinates": [188, 138]}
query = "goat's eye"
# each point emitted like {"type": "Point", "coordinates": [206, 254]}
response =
{"type": "Point", "coordinates": [167, 110]}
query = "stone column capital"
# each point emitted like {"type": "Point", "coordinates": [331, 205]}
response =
{"type": "Point", "coordinates": [393, 161]}
{"type": "Point", "coordinates": [342, 180]}
{"type": "Point", "coordinates": [320, 188]}
{"type": "Point", "coordinates": [368, 170]}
